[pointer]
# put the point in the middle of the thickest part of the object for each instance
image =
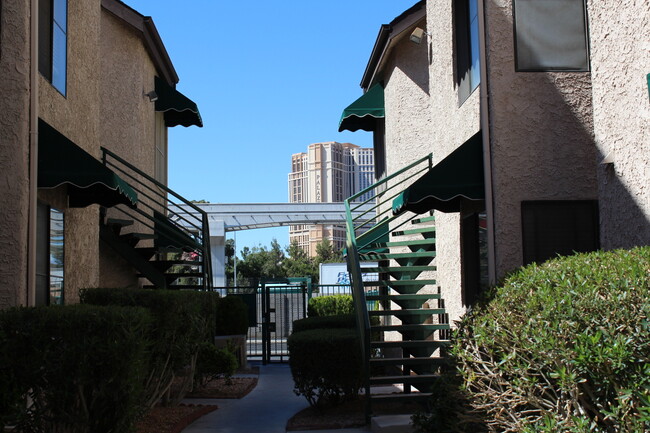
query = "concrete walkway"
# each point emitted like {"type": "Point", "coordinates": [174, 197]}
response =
{"type": "Point", "coordinates": [265, 410]}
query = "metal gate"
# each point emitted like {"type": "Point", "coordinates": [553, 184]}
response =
{"type": "Point", "coordinates": [272, 308]}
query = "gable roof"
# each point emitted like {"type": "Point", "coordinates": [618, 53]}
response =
{"type": "Point", "coordinates": [388, 35]}
{"type": "Point", "coordinates": [150, 37]}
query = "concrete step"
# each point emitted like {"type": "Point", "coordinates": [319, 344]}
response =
{"type": "Point", "coordinates": [391, 424]}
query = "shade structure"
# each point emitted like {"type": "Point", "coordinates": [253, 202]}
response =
{"type": "Point", "coordinates": [61, 162]}
{"type": "Point", "coordinates": [457, 178]}
{"type": "Point", "coordinates": [364, 112]}
{"type": "Point", "coordinates": [178, 108]}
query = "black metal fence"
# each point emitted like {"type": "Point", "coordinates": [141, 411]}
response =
{"type": "Point", "coordinates": [272, 309]}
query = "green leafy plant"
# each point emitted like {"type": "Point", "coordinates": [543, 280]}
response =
{"type": "Point", "coordinates": [330, 305]}
{"type": "Point", "coordinates": [563, 346]}
{"type": "Point", "coordinates": [183, 321]}
{"type": "Point", "coordinates": [213, 363]}
{"type": "Point", "coordinates": [326, 365]}
{"type": "Point", "coordinates": [79, 368]}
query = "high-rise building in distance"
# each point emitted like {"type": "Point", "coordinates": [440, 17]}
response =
{"type": "Point", "coordinates": [328, 172]}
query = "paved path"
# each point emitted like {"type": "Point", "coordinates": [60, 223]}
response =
{"type": "Point", "coordinates": [265, 410]}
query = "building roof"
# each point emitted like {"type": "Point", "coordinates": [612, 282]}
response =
{"type": "Point", "coordinates": [388, 35]}
{"type": "Point", "coordinates": [150, 37]}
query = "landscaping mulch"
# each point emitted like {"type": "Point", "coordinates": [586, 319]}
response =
{"type": "Point", "coordinates": [235, 387]}
{"type": "Point", "coordinates": [171, 419]}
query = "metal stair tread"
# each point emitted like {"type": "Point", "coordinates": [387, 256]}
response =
{"type": "Point", "coordinates": [426, 241]}
{"type": "Point", "coordinates": [391, 283]}
{"type": "Point", "coordinates": [408, 311]}
{"type": "Point", "coordinates": [409, 361]}
{"type": "Point", "coordinates": [421, 220]}
{"type": "Point", "coordinates": [403, 379]}
{"type": "Point", "coordinates": [411, 255]}
{"type": "Point", "coordinates": [405, 297]}
{"type": "Point", "coordinates": [422, 327]}
{"type": "Point", "coordinates": [139, 236]}
{"type": "Point", "coordinates": [400, 269]}
{"type": "Point", "coordinates": [411, 343]}
{"type": "Point", "coordinates": [118, 222]}
{"type": "Point", "coordinates": [413, 231]}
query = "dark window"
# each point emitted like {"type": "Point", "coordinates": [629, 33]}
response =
{"type": "Point", "coordinates": [474, 253]}
{"type": "Point", "coordinates": [49, 256]}
{"type": "Point", "coordinates": [551, 35]}
{"type": "Point", "coordinates": [53, 40]}
{"type": "Point", "coordinates": [552, 228]}
{"type": "Point", "coordinates": [468, 69]}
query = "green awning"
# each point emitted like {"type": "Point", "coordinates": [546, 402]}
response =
{"type": "Point", "coordinates": [457, 178]}
{"type": "Point", "coordinates": [178, 108]}
{"type": "Point", "coordinates": [364, 112]}
{"type": "Point", "coordinates": [61, 162]}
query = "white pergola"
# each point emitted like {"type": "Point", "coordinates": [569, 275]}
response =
{"type": "Point", "coordinates": [229, 217]}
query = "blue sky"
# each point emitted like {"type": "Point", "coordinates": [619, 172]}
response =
{"type": "Point", "coordinates": [270, 78]}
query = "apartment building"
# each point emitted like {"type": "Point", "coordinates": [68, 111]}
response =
{"type": "Point", "coordinates": [328, 172]}
{"type": "Point", "coordinates": [87, 92]}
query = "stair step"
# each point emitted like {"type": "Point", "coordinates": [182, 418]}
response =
{"type": "Point", "coordinates": [420, 378]}
{"type": "Point", "coordinates": [395, 283]}
{"type": "Point", "coordinates": [385, 256]}
{"type": "Point", "coordinates": [408, 312]}
{"type": "Point", "coordinates": [184, 275]}
{"type": "Point", "coordinates": [412, 396]}
{"type": "Point", "coordinates": [423, 219]}
{"type": "Point", "coordinates": [406, 297]}
{"type": "Point", "coordinates": [414, 231]}
{"type": "Point", "coordinates": [410, 361]}
{"type": "Point", "coordinates": [410, 343]}
{"type": "Point", "coordinates": [166, 264]}
{"type": "Point", "coordinates": [118, 222]}
{"type": "Point", "coordinates": [176, 286]}
{"type": "Point", "coordinates": [399, 269]}
{"type": "Point", "coordinates": [423, 327]}
{"type": "Point", "coordinates": [427, 241]}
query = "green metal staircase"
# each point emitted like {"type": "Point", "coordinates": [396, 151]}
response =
{"type": "Point", "coordinates": [165, 237]}
{"type": "Point", "coordinates": [404, 340]}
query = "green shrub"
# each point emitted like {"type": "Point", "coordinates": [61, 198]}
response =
{"type": "Point", "coordinates": [80, 365]}
{"type": "Point", "coordinates": [326, 364]}
{"type": "Point", "coordinates": [563, 346]}
{"type": "Point", "coordinates": [231, 316]}
{"type": "Point", "coordinates": [183, 320]}
{"type": "Point", "coordinates": [213, 363]}
{"type": "Point", "coordinates": [330, 305]}
{"type": "Point", "coordinates": [320, 322]}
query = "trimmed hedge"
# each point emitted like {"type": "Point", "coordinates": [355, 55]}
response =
{"type": "Point", "coordinates": [563, 346]}
{"type": "Point", "coordinates": [326, 364]}
{"type": "Point", "coordinates": [339, 321]}
{"type": "Point", "coordinates": [80, 365]}
{"type": "Point", "coordinates": [231, 316]}
{"type": "Point", "coordinates": [330, 305]}
{"type": "Point", "coordinates": [213, 363]}
{"type": "Point", "coordinates": [182, 321]}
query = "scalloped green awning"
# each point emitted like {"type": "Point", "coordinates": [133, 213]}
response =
{"type": "Point", "coordinates": [364, 112]}
{"type": "Point", "coordinates": [61, 162]}
{"type": "Point", "coordinates": [457, 178]}
{"type": "Point", "coordinates": [178, 108]}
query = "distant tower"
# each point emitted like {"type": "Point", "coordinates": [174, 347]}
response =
{"type": "Point", "coordinates": [328, 172]}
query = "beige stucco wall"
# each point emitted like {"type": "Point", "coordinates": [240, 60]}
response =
{"type": "Point", "coordinates": [541, 136]}
{"type": "Point", "coordinates": [76, 115]}
{"type": "Point", "coordinates": [620, 43]}
{"type": "Point", "coordinates": [452, 125]}
{"type": "Point", "coordinates": [127, 122]}
{"type": "Point", "coordinates": [14, 150]}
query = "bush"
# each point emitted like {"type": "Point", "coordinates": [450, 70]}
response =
{"type": "Point", "coordinates": [320, 322]}
{"type": "Point", "coordinates": [330, 305]}
{"type": "Point", "coordinates": [232, 316]}
{"type": "Point", "coordinates": [213, 363]}
{"type": "Point", "coordinates": [563, 346]}
{"type": "Point", "coordinates": [183, 320]}
{"type": "Point", "coordinates": [326, 364]}
{"type": "Point", "coordinates": [80, 365]}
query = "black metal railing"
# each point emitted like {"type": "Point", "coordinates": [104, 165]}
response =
{"type": "Point", "coordinates": [158, 210]}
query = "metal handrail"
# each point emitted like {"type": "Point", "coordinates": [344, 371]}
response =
{"type": "Point", "coordinates": [198, 222]}
{"type": "Point", "coordinates": [355, 228]}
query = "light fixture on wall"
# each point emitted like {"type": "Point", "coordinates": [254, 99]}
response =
{"type": "Point", "coordinates": [153, 96]}
{"type": "Point", "coordinates": [417, 35]}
